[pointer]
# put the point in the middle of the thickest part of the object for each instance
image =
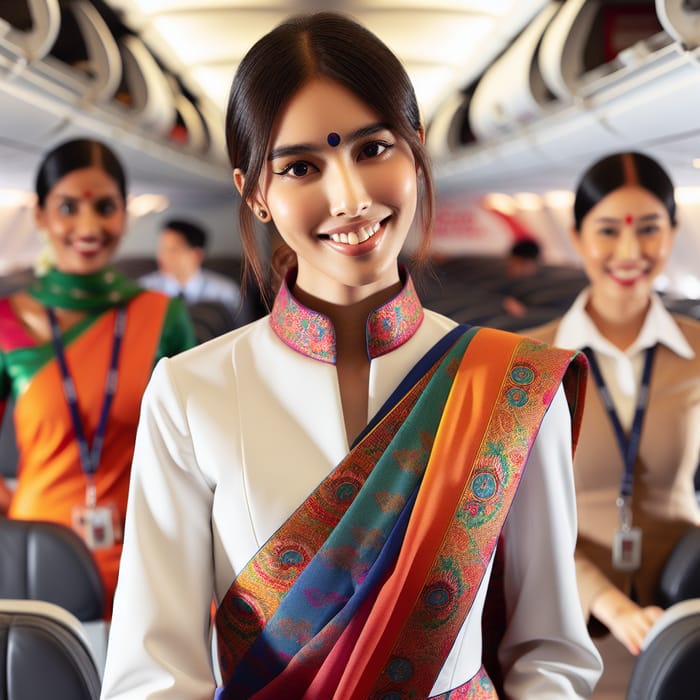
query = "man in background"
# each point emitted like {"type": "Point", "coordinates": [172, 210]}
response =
{"type": "Point", "coordinates": [181, 252]}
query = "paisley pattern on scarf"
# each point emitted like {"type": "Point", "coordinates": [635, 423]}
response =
{"type": "Point", "coordinates": [477, 688]}
{"type": "Point", "coordinates": [338, 573]}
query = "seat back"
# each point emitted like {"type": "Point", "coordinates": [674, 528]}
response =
{"type": "Point", "coordinates": [47, 561]}
{"type": "Point", "coordinates": [668, 667]}
{"type": "Point", "coordinates": [43, 654]}
{"type": "Point", "coordinates": [680, 579]}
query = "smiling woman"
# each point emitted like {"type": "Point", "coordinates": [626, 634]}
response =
{"type": "Point", "coordinates": [639, 446]}
{"type": "Point", "coordinates": [86, 337]}
{"type": "Point", "coordinates": [351, 477]}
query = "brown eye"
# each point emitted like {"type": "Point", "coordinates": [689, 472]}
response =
{"type": "Point", "coordinates": [106, 207]}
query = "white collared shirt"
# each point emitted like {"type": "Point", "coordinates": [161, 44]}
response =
{"type": "Point", "coordinates": [621, 369]}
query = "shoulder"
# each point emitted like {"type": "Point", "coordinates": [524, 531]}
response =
{"type": "Point", "coordinates": [546, 333]}
{"type": "Point", "coordinates": [690, 327]}
{"type": "Point", "coordinates": [214, 359]}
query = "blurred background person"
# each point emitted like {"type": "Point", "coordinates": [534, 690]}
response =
{"type": "Point", "coordinates": [76, 350]}
{"type": "Point", "coordinates": [523, 262]}
{"type": "Point", "coordinates": [181, 252]}
{"type": "Point", "coordinates": [639, 445]}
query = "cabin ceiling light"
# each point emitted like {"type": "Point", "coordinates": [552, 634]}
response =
{"type": "Point", "coordinates": [687, 195]}
{"type": "Point", "coordinates": [144, 204]}
{"type": "Point", "coordinates": [17, 198]}
{"type": "Point", "coordinates": [559, 199]}
{"type": "Point", "coordinates": [696, 163]}
{"type": "Point", "coordinates": [528, 201]}
{"type": "Point", "coordinates": [500, 202]}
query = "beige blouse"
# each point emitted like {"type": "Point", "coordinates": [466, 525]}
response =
{"type": "Point", "coordinates": [664, 503]}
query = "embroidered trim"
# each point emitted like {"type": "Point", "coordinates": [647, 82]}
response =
{"type": "Point", "coordinates": [312, 334]}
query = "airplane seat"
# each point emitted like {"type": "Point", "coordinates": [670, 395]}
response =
{"type": "Point", "coordinates": [49, 561]}
{"type": "Point", "coordinates": [46, 561]}
{"type": "Point", "coordinates": [44, 654]}
{"type": "Point", "coordinates": [667, 667]}
{"type": "Point", "coordinates": [680, 578]}
{"type": "Point", "coordinates": [210, 319]}
{"type": "Point", "coordinates": [8, 446]}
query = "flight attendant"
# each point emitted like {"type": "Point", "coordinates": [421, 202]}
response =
{"type": "Point", "coordinates": [640, 444]}
{"type": "Point", "coordinates": [76, 351]}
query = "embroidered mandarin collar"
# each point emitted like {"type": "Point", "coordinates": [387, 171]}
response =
{"type": "Point", "coordinates": [312, 334]}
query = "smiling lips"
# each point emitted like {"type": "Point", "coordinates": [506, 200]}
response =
{"type": "Point", "coordinates": [355, 237]}
{"type": "Point", "coordinates": [627, 276]}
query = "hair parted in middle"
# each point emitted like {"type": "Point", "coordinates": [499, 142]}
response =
{"type": "Point", "coordinates": [320, 45]}
{"type": "Point", "coordinates": [617, 170]}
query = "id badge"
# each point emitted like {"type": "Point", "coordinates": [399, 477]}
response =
{"type": "Point", "coordinates": [627, 549]}
{"type": "Point", "coordinates": [99, 526]}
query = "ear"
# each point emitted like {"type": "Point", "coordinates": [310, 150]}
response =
{"type": "Point", "coordinates": [421, 135]}
{"type": "Point", "coordinates": [575, 237]}
{"type": "Point", "coordinates": [257, 204]}
{"type": "Point", "coordinates": [39, 217]}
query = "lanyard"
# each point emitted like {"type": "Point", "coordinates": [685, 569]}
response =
{"type": "Point", "coordinates": [628, 446]}
{"type": "Point", "coordinates": [89, 457]}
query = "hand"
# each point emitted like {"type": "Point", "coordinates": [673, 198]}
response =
{"type": "Point", "coordinates": [514, 307]}
{"type": "Point", "coordinates": [628, 622]}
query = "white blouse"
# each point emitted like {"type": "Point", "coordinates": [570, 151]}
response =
{"type": "Point", "coordinates": [233, 436]}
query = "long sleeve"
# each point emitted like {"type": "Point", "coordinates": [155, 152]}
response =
{"type": "Point", "coordinates": [168, 524]}
{"type": "Point", "coordinates": [546, 652]}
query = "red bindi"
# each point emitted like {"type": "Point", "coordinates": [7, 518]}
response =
{"type": "Point", "coordinates": [629, 219]}
{"type": "Point", "coordinates": [87, 194]}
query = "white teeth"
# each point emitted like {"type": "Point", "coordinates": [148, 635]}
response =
{"type": "Point", "coordinates": [355, 237]}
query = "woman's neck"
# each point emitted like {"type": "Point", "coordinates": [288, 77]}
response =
{"type": "Point", "coordinates": [619, 323]}
{"type": "Point", "coordinates": [349, 320]}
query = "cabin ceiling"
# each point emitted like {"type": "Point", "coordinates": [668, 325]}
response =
{"type": "Point", "coordinates": [444, 44]}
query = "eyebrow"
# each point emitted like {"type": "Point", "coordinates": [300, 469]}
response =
{"type": "Point", "coordinates": [300, 148]}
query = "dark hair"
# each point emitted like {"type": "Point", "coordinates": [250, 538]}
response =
{"type": "Point", "coordinates": [526, 248]}
{"type": "Point", "coordinates": [617, 170]}
{"type": "Point", "coordinates": [75, 155]}
{"type": "Point", "coordinates": [328, 45]}
{"type": "Point", "coordinates": [195, 236]}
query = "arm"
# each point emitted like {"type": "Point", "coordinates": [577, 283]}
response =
{"type": "Point", "coordinates": [159, 640]}
{"type": "Point", "coordinates": [546, 652]}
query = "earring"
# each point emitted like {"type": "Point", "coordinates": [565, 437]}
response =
{"type": "Point", "coordinates": [262, 214]}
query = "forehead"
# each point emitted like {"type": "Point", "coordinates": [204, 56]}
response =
{"type": "Point", "coordinates": [91, 181]}
{"type": "Point", "coordinates": [318, 108]}
{"type": "Point", "coordinates": [629, 200]}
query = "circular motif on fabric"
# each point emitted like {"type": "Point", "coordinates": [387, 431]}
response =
{"type": "Point", "coordinates": [291, 557]}
{"type": "Point", "coordinates": [345, 490]}
{"type": "Point", "coordinates": [517, 397]}
{"type": "Point", "coordinates": [483, 485]}
{"type": "Point", "coordinates": [283, 561]}
{"type": "Point", "coordinates": [522, 375]}
{"type": "Point", "coordinates": [438, 596]}
{"type": "Point", "coordinates": [399, 669]}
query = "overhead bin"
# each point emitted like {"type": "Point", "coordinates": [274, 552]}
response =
{"type": "Point", "coordinates": [94, 76]}
{"type": "Point", "coordinates": [147, 93]}
{"type": "Point", "coordinates": [681, 19]}
{"type": "Point", "coordinates": [561, 54]}
{"type": "Point", "coordinates": [629, 85]}
{"type": "Point", "coordinates": [511, 91]}
{"type": "Point", "coordinates": [29, 29]}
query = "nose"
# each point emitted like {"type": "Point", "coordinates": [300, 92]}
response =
{"type": "Point", "coordinates": [347, 192]}
{"type": "Point", "coordinates": [88, 220]}
{"type": "Point", "coordinates": [628, 247]}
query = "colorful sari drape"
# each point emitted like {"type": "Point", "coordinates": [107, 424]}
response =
{"type": "Point", "coordinates": [362, 591]}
